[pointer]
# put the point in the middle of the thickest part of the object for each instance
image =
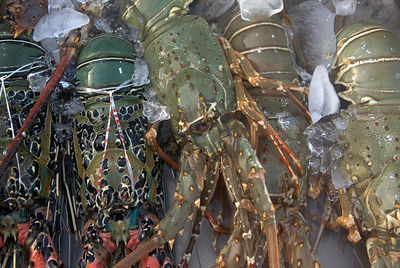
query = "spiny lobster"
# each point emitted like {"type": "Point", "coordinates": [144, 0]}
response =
{"type": "Point", "coordinates": [366, 175]}
{"type": "Point", "coordinates": [25, 184]}
{"type": "Point", "coordinates": [190, 69]}
{"type": "Point", "coordinates": [122, 195]}
{"type": "Point", "coordinates": [266, 44]}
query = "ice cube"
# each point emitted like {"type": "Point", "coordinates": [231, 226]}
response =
{"type": "Point", "coordinates": [37, 81]}
{"type": "Point", "coordinates": [323, 144]}
{"type": "Point", "coordinates": [259, 9]}
{"type": "Point", "coordinates": [59, 23]}
{"type": "Point", "coordinates": [341, 121]}
{"type": "Point", "coordinates": [64, 102]}
{"type": "Point", "coordinates": [94, 2]}
{"type": "Point", "coordinates": [344, 7]}
{"type": "Point", "coordinates": [339, 178]}
{"type": "Point", "coordinates": [59, 4]}
{"type": "Point", "coordinates": [153, 110]}
{"type": "Point", "coordinates": [140, 75]}
{"type": "Point", "coordinates": [103, 25]}
{"type": "Point", "coordinates": [51, 44]}
{"type": "Point", "coordinates": [322, 98]}
{"type": "Point", "coordinates": [336, 152]}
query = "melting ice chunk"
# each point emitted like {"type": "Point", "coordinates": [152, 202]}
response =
{"type": "Point", "coordinates": [140, 74]}
{"type": "Point", "coordinates": [314, 27]}
{"type": "Point", "coordinates": [324, 148]}
{"type": "Point", "coordinates": [37, 81]}
{"type": "Point", "coordinates": [258, 9]}
{"type": "Point", "coordinates": [59, 23]}
{"type": "Point", "coordinates": [52, 46]}
{"type": "Point", "coordinates": [59, 4]}
{"type": "Point", "coordinates": [339, 178]}
{"type": "Point", "coordinates": [153, 110]}
{"type": "Point", "coordinates": [322, 98]}
{"type": "Point", "coordinates": [344, 7]}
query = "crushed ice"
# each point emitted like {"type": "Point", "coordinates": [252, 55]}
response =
{"type": "Point", "coordinates": [344, 7]}
{"type": "Point", "coordinates": [54, 5]}
{"type": "Point", "coordinates": [321, 137]}
{"type": "Point", "coordinates": [140, 75]}
{"type": "Point", "coordinates": [259, 9]}
{"type": "Point", "coordinates": [37, 81]}
{"type": "Point", "coordinates": [326, 148]}
{"type": "Point", "coordinates": [322, 97]}
{"type": "Point", "coordinates": [109, 21]}
{"type": "Point", "coordinates": [153, 110]}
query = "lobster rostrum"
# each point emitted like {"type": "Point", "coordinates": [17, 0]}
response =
{"type": "Point", "coordinates": [266, 44]}
{"type": "Point", "coordinates": [367, 65]}
{"type": "Point", "coordinates": [121, 190]}
{"type": "Point", "coordinates": [190, 69]}
{"type": "Point", "coordinates": [25, 184]}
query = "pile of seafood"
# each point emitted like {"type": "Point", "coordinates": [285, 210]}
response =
{"type": "Point", "coordinates": [250, 110]}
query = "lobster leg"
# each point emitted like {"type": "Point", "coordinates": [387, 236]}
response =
{"type": "Point", "coordinates": [380, 253]}
{"type": "Point", "coordinates": [251, 174]}
{"type": "Point", "coordinates": [254, 135]}
{"type": "Point", "coordinates": [243, 206]}
{"type": "Point", "coordinates": [205, 199]}
{"type": "Point", "coordinates": [96, 253]}
{"type": "Point", "coordinates": [197, 222]}
{"type": "Point", "coordinates": [215, 225]}
{"type": "Point", "coordinates": [315, 182]}
{"type": "Point", "coordinates": [151, 141]}
{"type": "Point", "coordinates": [298, 250]}
{"type": "Point", "coordinates": [242, 67]}
{"type": "Point", "coordinates": [233, 253]}
{"type": "Point", "coordinates": [347, 219]}
{"type": "Point", "coordinates": [40, 246]}
{"type": "Point", "coordinates": [383, 249]}
{"type": "Point", "coordinates": [250, 109]}
{"type": "Point", "coordinates": [187, 196]}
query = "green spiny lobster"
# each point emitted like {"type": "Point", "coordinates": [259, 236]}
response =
{"type": "Point", "coordinates": [191, 71]}
{"type": "Point", "coordinates": [366, 72]}
{"type": "Point", "coordinates": [265, 43]}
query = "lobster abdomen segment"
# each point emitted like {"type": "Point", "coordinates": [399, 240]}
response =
{"type": "Point", "coordinates": [367, 63]}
